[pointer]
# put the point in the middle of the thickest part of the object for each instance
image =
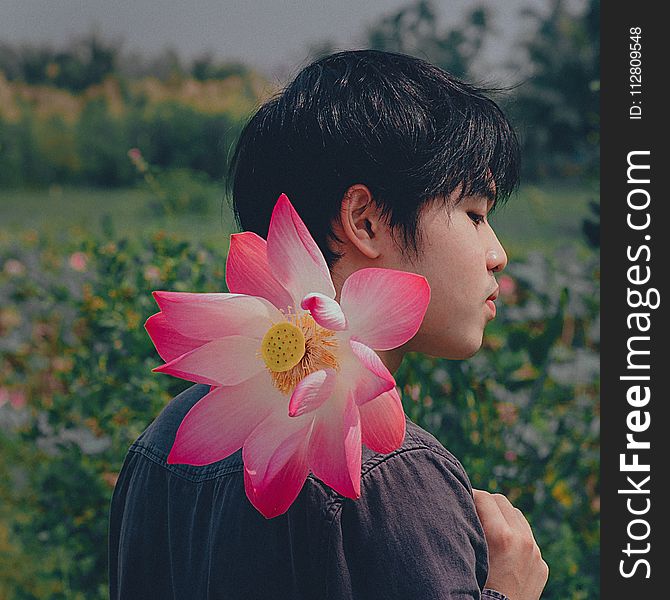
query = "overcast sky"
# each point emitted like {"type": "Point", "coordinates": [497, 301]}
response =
{"type": "Point", "coordinates": [272, 35]}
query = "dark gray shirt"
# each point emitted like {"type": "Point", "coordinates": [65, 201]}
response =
{"type": "Point", "coordinates": [179, 531]}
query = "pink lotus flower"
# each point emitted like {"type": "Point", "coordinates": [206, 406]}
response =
{"type": "Point", "coordinates": [296, 382]}
{"type": "Point", "coordinates": [16, 398]}
{"type": "Point", "coordinates": [152, 273]}
{"type": "Point", "coordinates": [507, 285]}
{"type": "Point", "coordinates": [135, 155]}
{"type": "Point", "coordinates": [78, 261]}
{"type": "Point", "coordinates": [14, 267]}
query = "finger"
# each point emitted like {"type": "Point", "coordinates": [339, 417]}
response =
{"type": "Point", "coordinates": [523, 522]}
{"type": "Point", "coordinates": [488, 510]}
{"type": "Point", "coordinates": [516, 518]}
{"type": "Point", "coordinates": [508, 511]}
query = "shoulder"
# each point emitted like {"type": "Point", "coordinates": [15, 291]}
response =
{"type": "Point", "coordinates": [161, 432]}
{"type": "Point", "coordinates": [421, 464]}
{"type": "Point", "coordinates": [421, 481]}
{"type": "Point", "coordinates": [414, 529]}
{"type": "Point", "coordinates": [420, 487]}
{"type": "Point", "coordinates": [420, 450]}
{"type": "Point", "coordinates": [420, 458]}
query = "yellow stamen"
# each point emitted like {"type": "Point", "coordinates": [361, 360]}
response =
{"type": "Point", "coordinates": [316, 349]}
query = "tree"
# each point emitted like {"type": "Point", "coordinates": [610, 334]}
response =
{"type": "Point", "coordinates": [557, 107]}
{"type": "Point", "coordinates": [414, 30]}
{"type": "Point", "coordinates": [86, 62]}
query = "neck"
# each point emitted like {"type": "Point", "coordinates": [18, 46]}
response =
{"type": "Point", "coordinates": [392, 358]}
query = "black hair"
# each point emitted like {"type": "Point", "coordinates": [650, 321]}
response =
{"type": "Point", "coordinates": [406, 129]}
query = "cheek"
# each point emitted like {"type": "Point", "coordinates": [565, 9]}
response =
{"type": "Point", "coordinates": [455, 267]}
{"type": "Point", "coordinates": [454, 283]}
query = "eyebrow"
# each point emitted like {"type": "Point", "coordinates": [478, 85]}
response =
{"type": "Point", "coordinates": [490, 195]}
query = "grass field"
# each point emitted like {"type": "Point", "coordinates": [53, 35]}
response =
{"type": "Point", "coordinates": [542, 217]}
{"type": "Point", "coordinates": [64, 211]}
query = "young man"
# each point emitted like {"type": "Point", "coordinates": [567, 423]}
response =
{"type": "Point", "coordinates": [391, 163]}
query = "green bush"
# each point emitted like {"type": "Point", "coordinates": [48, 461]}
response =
{"type": "Point", "coordinates": [78, 389]}
{"type": "Point", "coordinates": [73, 345]}
{"type": "Point", "coordinates": [175, 135]}
{"type": "Point", "coordinates": [174, 191]}
{"type": "Point", "coordinates": [102, 144]}
{"type": "Point", "coordinates": [92, 148]}
{"type": "Point", "coordinates": [15, 141]}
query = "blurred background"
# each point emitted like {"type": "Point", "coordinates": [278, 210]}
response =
{"type": "Point", "coordinates": [116, 124]}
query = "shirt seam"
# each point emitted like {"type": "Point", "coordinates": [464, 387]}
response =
{"type": "Point", "coordinates": [335, 510]}
{"type": "Point", "coordinates": [159, 458]}
{"type": "Point", "coordinates": [376, 460]}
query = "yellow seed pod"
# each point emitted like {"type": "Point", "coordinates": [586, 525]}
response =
{"type": "Point", "coordinates": [283, 346]}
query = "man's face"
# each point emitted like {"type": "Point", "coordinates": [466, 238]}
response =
{"type": "Point", "coordinates": [460, 255]}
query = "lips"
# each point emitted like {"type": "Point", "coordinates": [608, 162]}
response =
{"type": "Point", "coordinates": [490, 301]}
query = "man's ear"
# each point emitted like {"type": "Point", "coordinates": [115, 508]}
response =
{"type": "Point", "coordinates": [361, 222]}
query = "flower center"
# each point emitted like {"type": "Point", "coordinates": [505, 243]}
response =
{"type": "Point", "coordinates": [282, 347]}
{"type": "Point", "coordinates": [297, 347]}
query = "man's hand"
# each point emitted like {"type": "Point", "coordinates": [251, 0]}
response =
{"type": "Point", "coordinates": [516, 568]}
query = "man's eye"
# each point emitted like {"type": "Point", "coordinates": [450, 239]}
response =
{"type": "Point", "coordinates": [476, 218]}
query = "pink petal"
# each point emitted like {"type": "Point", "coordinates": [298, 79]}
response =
{"type": "Point", "coordinates": [325, 310]}
{"type": "Point", "coordinates": [294, 257]}
{"type": "Point", "coordinates": [371, 378]}
{"type": "Point", "coordinates": [226, 361]}
{"type": "Point", "coordinates": [384, 307]}
{"type": "Point", "coordinates": [312, 391]}
{"type": "Point", "coordinates": [335, 447]}
{"type": "Point", "coordinates": [212, 316]}
{"type": "Point", "coordinates": [218, 423]}
{"type": "Point", "coordinates": [275, 462]}
{"type": "Point", "coordinates": [277, 495]}
{"type": "Point", "coordinates": [169, 343]}
{"type": "Point", "coordinates": [383, 422]}
{"type": "Point", "coordinates": [248, 271]}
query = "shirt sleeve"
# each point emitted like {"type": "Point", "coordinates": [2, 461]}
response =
{"type": "Point", "coordinates": [413, 533]}
{"type": "Point", "coordinates": [489, 594]}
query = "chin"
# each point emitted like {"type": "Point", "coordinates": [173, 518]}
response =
{"type": "Point", "coordinates": [463, 347]}
{"type": "Point", "coordinates": [464, 353]}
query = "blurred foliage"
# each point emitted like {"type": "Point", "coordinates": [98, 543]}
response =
{"type": "Point", "coordinates": [557, 105]}
{"type": "Point", "coordinates": [90, 59]}
{"type": "Point", "coordinates": [77, 389]}
{"type": "Point", "coordinates": [85, 62]}
{"type": "Point", "coordinates": [70, 115]}
{"type": "Point", "coordinates": [52, 136]}
{"type": "Point", "coordinates": [175, 191]}
{"type": "Point", "coordinates": [591, 225]}
{"type": "Point", "coordinates": [414, 30]}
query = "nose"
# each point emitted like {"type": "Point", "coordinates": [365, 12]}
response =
{"type": "Point", "coordinates": [496, 257]}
